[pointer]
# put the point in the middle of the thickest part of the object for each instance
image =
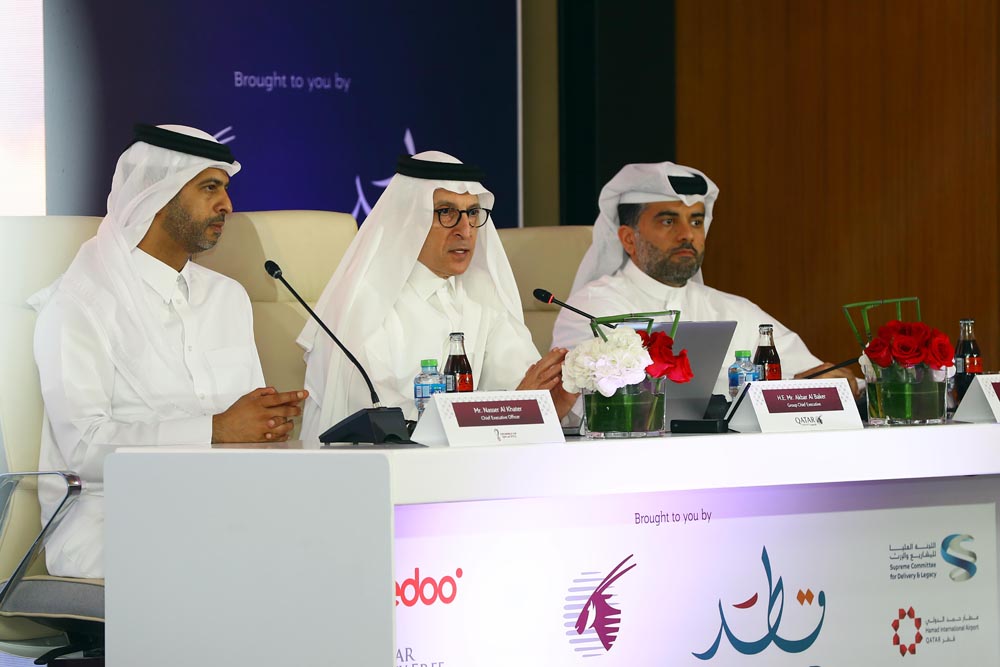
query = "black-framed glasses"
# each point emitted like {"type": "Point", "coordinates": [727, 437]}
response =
{"type": "Point", "coordinates": [449, 216]}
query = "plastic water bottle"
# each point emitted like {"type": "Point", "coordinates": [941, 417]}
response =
{"type": "Point", "coordinates": [742, 371]}
{"type": "Point", "coordinates": [428, 382]}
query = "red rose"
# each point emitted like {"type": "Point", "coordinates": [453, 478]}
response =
{"type": "Point", "coordinates": [889, 329]}
{"type": "Point", "coordinates": [920, 331]}
{"type": "Point", "coordinates": [681, 371]}
{"type": "Point", "coordinates": [907, 350]}
{"type": "Point", "coordinates": [878, 351]}
{"type": "Point", "coordinates": [661, 350]}
{"type": "Point", "coordinates": [940, 353]}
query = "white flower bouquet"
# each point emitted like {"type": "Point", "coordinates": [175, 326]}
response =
{"type": "Point", "coordinates": [606, 366]}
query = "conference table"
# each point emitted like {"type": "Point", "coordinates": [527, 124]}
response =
{"type": "Point", "coordinates": [779, 549]}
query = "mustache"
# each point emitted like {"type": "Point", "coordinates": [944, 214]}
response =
{"type": "Point", "coordinates": [217, 219]}
{"type": "Point", "coordinates": [687, 245]}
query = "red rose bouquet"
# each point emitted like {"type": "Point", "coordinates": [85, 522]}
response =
{"type": "Point", "coordinates": [909, 344]}
{"type": "Point", "coordinates": [906, 366]}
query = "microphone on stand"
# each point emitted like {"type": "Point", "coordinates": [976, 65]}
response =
{"type": "Point", "coordinates": [377, 424]}
{"type": "Point", "coordinates": [545, 296]}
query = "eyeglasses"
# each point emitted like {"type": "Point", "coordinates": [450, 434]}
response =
{"type": "Point", "coordinates": [449, 216]}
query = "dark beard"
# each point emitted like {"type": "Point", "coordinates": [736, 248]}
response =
{"type": "Point", "coordinates": [664, 267]}
{"type": "Point", "coordinates": [183, 228]}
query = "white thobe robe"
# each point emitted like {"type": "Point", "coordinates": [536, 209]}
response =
{"type": "Point", "coordinates": [90, 409]}
{"type": "Point", "coordinates": [428, 309]}
{"type": "Point", "coordinates": [629, 290]}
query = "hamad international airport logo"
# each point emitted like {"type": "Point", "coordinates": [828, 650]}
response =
{"type": "Point", "coordinates": [906, 631]}
{"type": "Point", "coordinates": [592, 620]}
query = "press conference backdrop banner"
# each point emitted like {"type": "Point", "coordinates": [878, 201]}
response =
{"type": "Point", "coordinates": [792, 576]}
{"type": "Point", "coordinates": [317, 100]}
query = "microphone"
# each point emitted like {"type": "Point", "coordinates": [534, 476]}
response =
{"type": "Point", "coordinates": [377, 424]}
{"type": "Point", "coordinates": [545, 296]}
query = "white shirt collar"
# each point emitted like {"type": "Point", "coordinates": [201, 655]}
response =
{"type": "Point", "coordinates": [652, 286]}
{"type": "Point", "coordinates": [425, 282]}
{"type": "Point", "coordinates": [163, 279]}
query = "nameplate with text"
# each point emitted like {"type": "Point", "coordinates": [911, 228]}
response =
{"type": "Point", "coordinates": [477, 419]}
{"type": "Point", "coordinates": [795, 405]}
{"type": "Point", "coordinates": [981, 402]}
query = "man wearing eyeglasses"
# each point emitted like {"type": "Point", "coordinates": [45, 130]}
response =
{"type": "Point", "coordinates": [426, 262]}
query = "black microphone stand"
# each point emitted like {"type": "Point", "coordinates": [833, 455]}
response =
{"type": "Point", "coordinates": [376, 425]}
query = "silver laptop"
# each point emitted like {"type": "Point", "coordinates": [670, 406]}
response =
{"type": "Point", "coordinates": [706, 344]}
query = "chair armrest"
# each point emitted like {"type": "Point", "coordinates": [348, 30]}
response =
{"type": "Point", "coordinates": [9, 483]}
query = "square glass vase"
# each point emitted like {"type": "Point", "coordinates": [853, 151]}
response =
{"type": "Point", "coordinates": [900, 395]}
{"type": "Point", "coordinates": [633, 411]}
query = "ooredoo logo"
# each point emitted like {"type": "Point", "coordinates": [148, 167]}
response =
{"type": "Point", "coordinates": [427, 590]}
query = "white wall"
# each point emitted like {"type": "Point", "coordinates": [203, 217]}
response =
{"type": "Point", "coordinates": [22, 109]}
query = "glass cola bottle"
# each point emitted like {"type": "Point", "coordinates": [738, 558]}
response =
{"type": "Point", "coordinates": [766, 356]}
{"type": "Point", "coordinates": [968, 359]}
{"type": "Point", "coordinates": [457, 370]}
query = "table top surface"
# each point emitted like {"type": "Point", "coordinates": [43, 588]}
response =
{"type": "Point", "coordinates": [650, 464]}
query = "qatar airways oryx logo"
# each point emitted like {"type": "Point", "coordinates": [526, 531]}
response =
{"type": "Point", "coordinates": [427, 590]}
{"type": "Point", "coordinates": [591, 619]}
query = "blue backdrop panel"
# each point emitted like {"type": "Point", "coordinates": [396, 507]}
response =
{"type": "Point", "coordinates": [316, 100]}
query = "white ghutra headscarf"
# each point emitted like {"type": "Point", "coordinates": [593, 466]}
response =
{"type": "Point", "coordinates": [373, 272]}
{"type": "Point", "coordinates": [103, 279]}
{"type": "Point", "coordinates": [640, 184]}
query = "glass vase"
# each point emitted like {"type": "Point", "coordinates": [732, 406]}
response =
{"type": "Point", "coordinates": [906, 395]}
{"type": "Point", "coordinates": [633, 411]}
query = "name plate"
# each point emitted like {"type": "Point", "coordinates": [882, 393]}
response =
{"type": "Point", "coordinates": [476, 419]}
{"type": "Point", "coordinates": [981, 402]}
{"type": "Point", "coordinates": [795, 405]}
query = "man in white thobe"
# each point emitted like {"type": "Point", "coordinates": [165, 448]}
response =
{"type": "Point", "coordinates": [426, 262]}
{"type": "Point", "coordinates": [136, 345]}
{"type": "Point", "coordinates": [649, 243]}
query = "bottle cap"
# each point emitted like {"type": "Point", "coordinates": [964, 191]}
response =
{"type": "Point", "coordinates": [457, 333]}
{"type": "Point", "coordinates": [424, 363]}
{"type": "Point", "coordinates": [743, 353]}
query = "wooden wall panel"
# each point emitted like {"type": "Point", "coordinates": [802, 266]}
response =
{"type": "Point", "coordinates": [855, 146]}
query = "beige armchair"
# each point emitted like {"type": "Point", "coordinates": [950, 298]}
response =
{"type": "Point", "coordinates": [37, 612]}
{"type": "Point", "coordinates": [545, 257]}
{"type": "Point", "coordinates": [308, 246]}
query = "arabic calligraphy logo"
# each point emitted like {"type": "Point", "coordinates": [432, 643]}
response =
{"type": "Point", "coordinates": [223, 136]}
{"type": "Point", "coordinates": [596, 620]}
{"type": "Point", "coordinates": [362, 205]}
{"type": "Point", "coordinates": [776, 590]}
{"type": "Point", "coordinates": [963, 559]}
{"type": "Point", "coordinates": [915, 622]}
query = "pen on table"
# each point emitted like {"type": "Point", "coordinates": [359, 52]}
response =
{"type": "Point", "coordinates": [842, 364]}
